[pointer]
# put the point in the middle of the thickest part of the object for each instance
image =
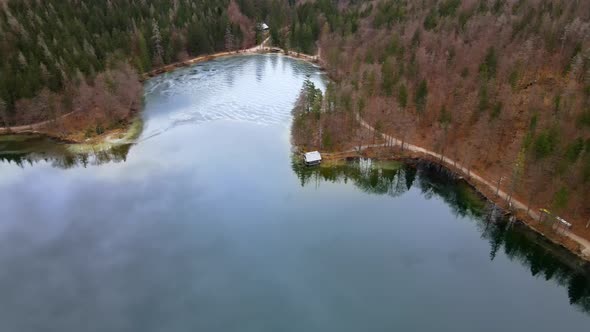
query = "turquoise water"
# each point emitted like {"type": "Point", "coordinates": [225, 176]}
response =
{"type": "Point", "coordinates": [209, 224]}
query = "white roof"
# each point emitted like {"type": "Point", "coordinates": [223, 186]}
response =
{"type": "Point", "coordinates": [564, 222]}
{"type": "Point", "coordinates": [263, 26]}
{"type": "Point", "coordinates": [313, 156]}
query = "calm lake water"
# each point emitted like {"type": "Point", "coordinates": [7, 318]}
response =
{"type": "Point", "coordinates": [207, 224]}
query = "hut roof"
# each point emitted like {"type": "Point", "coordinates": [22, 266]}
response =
{"type": "Point", "coordinates": [313, 156]}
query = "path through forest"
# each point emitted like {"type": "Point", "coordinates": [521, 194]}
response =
{"type": "Point", "coordinates": [585, 244]}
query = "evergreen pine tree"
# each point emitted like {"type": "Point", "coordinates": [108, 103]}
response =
{"type": "Point", "coordinates": [158, 59]}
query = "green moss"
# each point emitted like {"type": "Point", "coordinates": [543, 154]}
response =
{"type": "Point", "coordinates": [134, 130]}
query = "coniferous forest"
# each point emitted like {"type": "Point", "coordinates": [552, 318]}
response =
{"type": "Point", "coordinates": [61, 56]}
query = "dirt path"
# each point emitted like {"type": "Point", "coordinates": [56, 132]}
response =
{"type": "Point", "coordinates": [33, 128]}
{"type": "Point", "coordinates": [584, 244]}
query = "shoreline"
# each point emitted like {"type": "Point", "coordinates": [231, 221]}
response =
{"type": "Point", "coordinates": [108, 140]}
{"type": "Point", "coordinates": [577, 244]}
{"type": "Point", "coordinates": [103, 138]}
{"type": "Point", "coordinates": [411, 154]}
{"type": "Point", "coordinates": [557, 244]}
{"type": "Point", "coordinates": [552, 243]}
{"type": "Point", "coordinates": [37, 128]}
{"type": "Point", "coordinates": [314, 59]}
{"type": "Point", "coordinates": [547, 233]}
{"type": "Point", "coordinates": [573, 245]}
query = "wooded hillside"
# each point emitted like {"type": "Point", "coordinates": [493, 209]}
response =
{"type": "Point", "coordinates": [502, 86]}
{"type": "Point", "coordinates": [53, 50]}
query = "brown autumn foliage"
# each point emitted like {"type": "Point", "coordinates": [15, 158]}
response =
{"type": "Point", "coordinates": [501, 86]}
{"type": "Point", "coordinates": [86, 108]}
{"type": "Point", "coordinates": [235, 15]}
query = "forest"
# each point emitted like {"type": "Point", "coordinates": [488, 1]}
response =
{"type": "Point", "coordinates": [502, 86]}
{"type": "Point", "coordinates": [84, 56]}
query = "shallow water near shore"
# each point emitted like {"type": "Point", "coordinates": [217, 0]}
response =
{"type": "Point", "coordinates": [209, 223]}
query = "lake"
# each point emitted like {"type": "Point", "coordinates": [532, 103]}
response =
{"type": "Point", "coordinates": [208, 223]}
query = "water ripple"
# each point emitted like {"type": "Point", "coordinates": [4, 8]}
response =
{"type": "Point", "coordinates": [259, 89]}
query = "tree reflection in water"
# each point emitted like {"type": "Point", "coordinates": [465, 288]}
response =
{"type": "Point", "coordinates": [520, 244]}
{"type": "Point", "coordinates": [34, 149]}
